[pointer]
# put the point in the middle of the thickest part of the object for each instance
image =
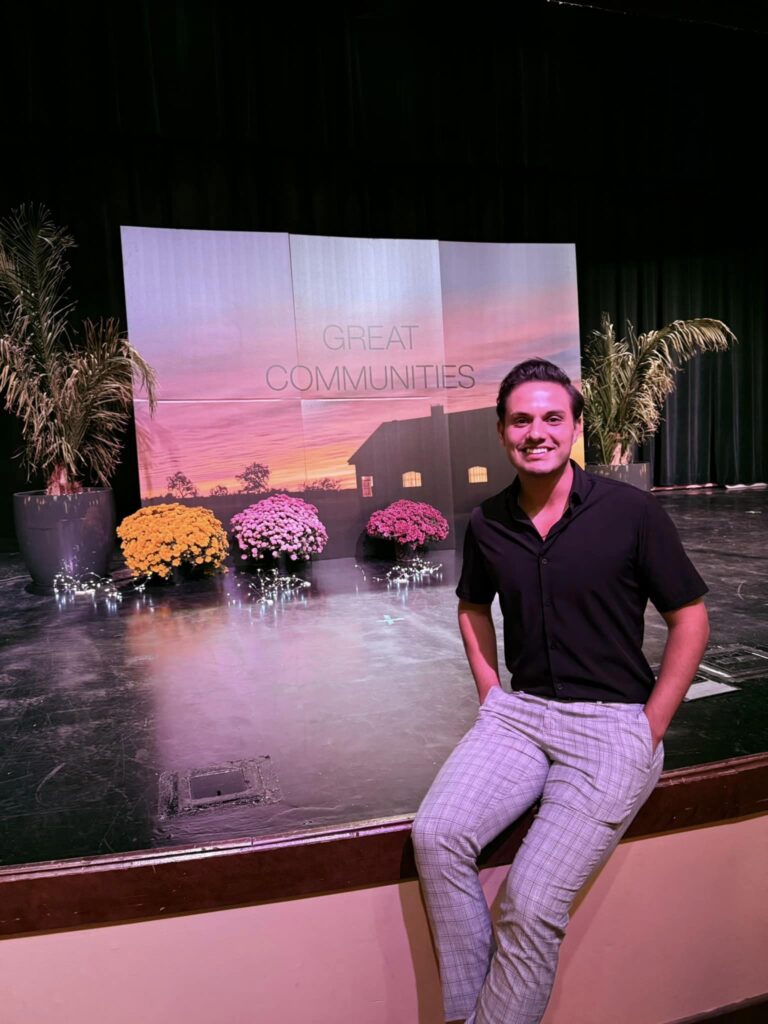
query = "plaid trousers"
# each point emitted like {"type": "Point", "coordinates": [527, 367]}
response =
{"type": "Point", "coordinates": [593, 766]}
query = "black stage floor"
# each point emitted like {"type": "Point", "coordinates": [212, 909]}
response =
{"type": "Point", "coordinates": [355, 692]}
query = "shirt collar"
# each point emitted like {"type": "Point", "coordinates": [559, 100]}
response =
{"type": "Point", "coordinates": [581, 485]}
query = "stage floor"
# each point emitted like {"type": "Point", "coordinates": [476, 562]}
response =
{"type": "Point", "coordinates": [355, 691]}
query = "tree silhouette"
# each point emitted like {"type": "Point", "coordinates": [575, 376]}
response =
{"type": "Point", "coordinates": [326, 483]}
{"type": "Point", "coordinates": [180, 486]}
{"type": "Point", "coordinates": [255, 478]}
{"type": "Point", "coordinates": [217, 491]}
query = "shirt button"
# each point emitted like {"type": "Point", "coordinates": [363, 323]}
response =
{"type": "Point", "coordinates": [553, 645]}
{"type": "Point", "coordinates": [544, 561]}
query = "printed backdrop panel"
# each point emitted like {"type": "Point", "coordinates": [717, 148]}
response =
{"type": "Point", "coordinates": [210, 310]}
{"type": "Point", "coordinates": [503, 303]}
{"type": "Point", "coordinates": [214, 446]}
{"type": "Point", "coordinates": [368, 316]}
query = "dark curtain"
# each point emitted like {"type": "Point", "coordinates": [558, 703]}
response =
{"type": "Point", "coordinates": [636, 136]}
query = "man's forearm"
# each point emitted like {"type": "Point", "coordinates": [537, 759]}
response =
{"type": "Point", "coordinates": [686, 642]}
{"type": "Point", "coordinates": [479, 636]}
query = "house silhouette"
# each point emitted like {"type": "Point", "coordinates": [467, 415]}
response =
{"type": "Point", "coordinates": [451, 460]}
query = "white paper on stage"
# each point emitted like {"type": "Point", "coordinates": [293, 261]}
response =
{"type": "Point", "coordinates": [707, 688]}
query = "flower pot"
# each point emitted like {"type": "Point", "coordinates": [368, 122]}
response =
{"type": "Point", "coordinates": [636, 473]}
{"type": "Point", "coordinates": [404, 552]}
{"type": "Point", "coordinates": [283, 564]}
{"type": "Point", "coordinates": [376, 549]}
{"type": "Point", "coordinates": [71, 533]}
{"type": "Point", "coordinates": [184, 573]}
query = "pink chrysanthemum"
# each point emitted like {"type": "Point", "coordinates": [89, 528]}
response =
{"type": "Point", "coordinates": [279, 524]}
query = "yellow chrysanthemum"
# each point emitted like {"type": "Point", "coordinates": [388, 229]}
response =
{"type": "Point", "coordinates": [159, 537]}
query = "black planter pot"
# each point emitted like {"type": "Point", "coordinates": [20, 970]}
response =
{"type": "Point", "coordinates": [71, 533]}
{"type": "Point", "coordinates": [636, 473]}
{"type": "Point", "coordinates": [283, 565]}
{"type": "Point", "coordinates": [184, 573]}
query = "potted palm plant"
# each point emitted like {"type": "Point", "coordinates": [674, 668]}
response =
{"type": "Point", "coordinates": [72, 391]}
{"type": "Point", "coordinates": [626, 382]}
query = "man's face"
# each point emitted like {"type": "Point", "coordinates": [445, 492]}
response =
{"type": "Point", "coordinates": [539, 429]}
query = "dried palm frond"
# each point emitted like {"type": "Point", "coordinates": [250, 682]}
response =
{"type": "Point", "coordinates": [72, 393]}
{"type": "Point", "coordinates": [627, 382]}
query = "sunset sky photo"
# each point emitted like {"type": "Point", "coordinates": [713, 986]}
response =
{"type": "Point", "coordinates": [290, 350]}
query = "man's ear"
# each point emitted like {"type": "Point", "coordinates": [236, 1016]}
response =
{"type": "Point", "coordinates": [500, 430]}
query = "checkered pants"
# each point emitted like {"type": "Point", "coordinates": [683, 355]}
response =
{"type": "Point", "coordinates": [593, 766]}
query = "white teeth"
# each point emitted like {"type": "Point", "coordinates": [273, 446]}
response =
{"type": "Point", "coordinates": [536, 451]}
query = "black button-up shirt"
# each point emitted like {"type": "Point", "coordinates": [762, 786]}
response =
{"type": "Point", "coordinates": [574, 604]}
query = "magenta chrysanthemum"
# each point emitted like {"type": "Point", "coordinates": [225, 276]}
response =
{"type": "Point", "coordinates": [411, 523]}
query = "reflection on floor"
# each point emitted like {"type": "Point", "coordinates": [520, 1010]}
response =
{"type": "Point", "coordinates": [353, 695]}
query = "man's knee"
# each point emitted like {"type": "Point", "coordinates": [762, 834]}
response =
{"type": "Point", "coordinates": [429, 832]}
{"type": "Point", "coordinates": [434, 834]}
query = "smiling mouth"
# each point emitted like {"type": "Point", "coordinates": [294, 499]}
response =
{"type": "Point", "coordinates": [536, 451]}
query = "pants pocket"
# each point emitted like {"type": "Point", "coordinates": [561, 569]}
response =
{"type": "Point", "coordinates": [645, 727]}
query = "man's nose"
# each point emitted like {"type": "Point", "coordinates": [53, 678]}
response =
{"type": "Point", "coordinates": [536, 429]}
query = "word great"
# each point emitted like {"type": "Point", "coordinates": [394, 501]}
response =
{"type": "Point", "coordinates": [371, 338]}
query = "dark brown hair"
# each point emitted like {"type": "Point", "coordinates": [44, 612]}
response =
{"type": "Point", "coordinates": [537, 369]}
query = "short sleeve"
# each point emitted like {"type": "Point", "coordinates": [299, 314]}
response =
{"type": "Point", "coordinates": [666, 571]}
{"type": "Point", "coordinates": [476, 583]}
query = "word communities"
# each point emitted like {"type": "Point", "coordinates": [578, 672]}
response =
{"type": "Point", "coordinates": [342, 379]}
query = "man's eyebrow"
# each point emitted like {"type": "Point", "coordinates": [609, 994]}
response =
{"type": "Point", "coordinates": [551, 412]}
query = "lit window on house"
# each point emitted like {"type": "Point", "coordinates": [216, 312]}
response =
{"type": "Point", "coordinates": [478, 474]}
{"type": "Point", "coordinates": [366, 486]}
{"type": "Point", "coordinates": [412, 479]}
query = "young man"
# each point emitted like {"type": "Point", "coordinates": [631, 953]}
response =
{"type": "Point", "coordinates": [574, 559]}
